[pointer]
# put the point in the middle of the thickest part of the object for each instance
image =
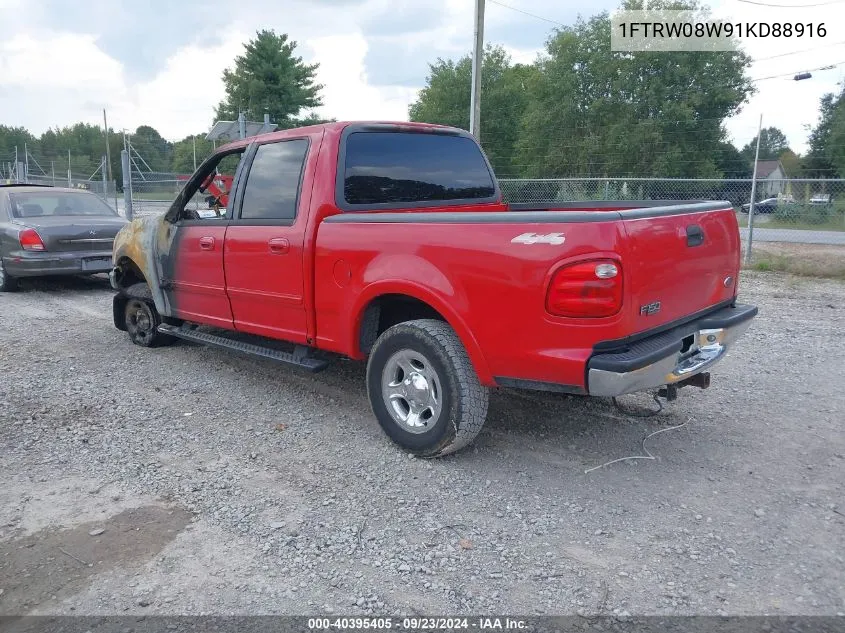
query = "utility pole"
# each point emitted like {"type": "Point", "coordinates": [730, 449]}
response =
{"type": "Point", "coordinates": [103, 170]}
{"type": "Point", "coordinates": [194, 138]}
{"type": "Point", "coordinates": [69, 175]}
{"type": "Point", "coordinates": [753, 193]}
{"type": "Point", "coordinates": [25, 163]}
{"type": "Point", "coordinates": [127, 185]}
{"type": "Point", "coordinates": [477, 58]}
{"type": "Point", "coordinates": [108, 161]}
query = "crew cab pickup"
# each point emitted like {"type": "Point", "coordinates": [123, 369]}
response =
{"type": "Point", "coordinates": [391, 243]}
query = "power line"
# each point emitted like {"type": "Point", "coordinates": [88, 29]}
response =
{"type": "Point", "coordinates": [827, 67]}
{"type": "Point", "coordinates": [533, 15]}
{"type": "Point", "coordinates": [806, 50]}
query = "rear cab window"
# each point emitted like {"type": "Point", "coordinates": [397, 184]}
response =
{"type": "Point", "coordinates": [393, 169]}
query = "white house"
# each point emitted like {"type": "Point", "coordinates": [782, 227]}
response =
{"type": "Point", "coordinates": [771, 178]}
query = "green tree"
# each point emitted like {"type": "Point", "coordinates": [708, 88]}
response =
{"type": "Point", "coordinates": [153, 148]}
{"type": "Point", "coordinates": [10, 139]}
{"type": "Point", "coordinates": [826, 154]}
{"type": "Point", "coordinates": [269, 77]}
{"type": "Point", "coordinates": [183, 153]}
{"type": "Point", "coordinates": [596, 112]}
{"type": "Point", "coordinates": [446, 100]}
{"type": "Point", "coordinates": [773, 143]}
{"type": "Point", "coordinates": [730, 162]}
{"type": "Point", "coordinates": [791, 163]}
{"type": "Point", "coordinates": [85, 143]}
{"type": "Point", "coordinates": [303, 121]}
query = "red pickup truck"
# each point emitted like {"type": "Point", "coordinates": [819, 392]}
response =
{"type": "Point", "coordinates": [390, 242]}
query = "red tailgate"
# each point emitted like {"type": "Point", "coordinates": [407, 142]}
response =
{"type": "Point", "coordinates": [685, 263]}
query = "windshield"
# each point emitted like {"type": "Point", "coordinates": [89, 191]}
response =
{"type": "Point", "coordinates": [58, 203]}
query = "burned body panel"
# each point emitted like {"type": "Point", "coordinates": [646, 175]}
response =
{"type": "Point", "coordinates": [142, 249]}
{"type": "Point", "coordinates": [182, 263]}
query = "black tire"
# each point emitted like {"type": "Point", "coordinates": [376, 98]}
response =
{"type": "Point", "coordinates": [445, 409]}
{"type": "Point", "coordinates": [142, 319]}
{"type": "Point", "coordinates": [7, 282]}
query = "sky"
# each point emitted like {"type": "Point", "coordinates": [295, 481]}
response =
{"type": "Point", "coordinates": [160, 63]}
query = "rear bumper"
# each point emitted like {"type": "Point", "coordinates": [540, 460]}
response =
{"type": "Point", "coordinates": [669, 357]}
{"type": "Point", "coordinates": [36, 264]}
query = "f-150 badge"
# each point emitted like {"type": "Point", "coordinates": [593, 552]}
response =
{"type": "Point", "coordinates": [533, 238]}
{"type": "Point", "coordinates": [650, 308]}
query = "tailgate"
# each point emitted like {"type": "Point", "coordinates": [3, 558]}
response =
{"type": "Point", "coordinates": [678, 264]}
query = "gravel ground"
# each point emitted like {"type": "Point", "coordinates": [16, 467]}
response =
{"type": "Point", "coordinates": [184, 480]}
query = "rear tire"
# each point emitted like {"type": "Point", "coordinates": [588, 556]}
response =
{"type": "Point", "coordinates": [142, 319]}
{"type": "Point", "coordinates": [7, 282]}
{"type": "Point", "coordinates": [423, 389]}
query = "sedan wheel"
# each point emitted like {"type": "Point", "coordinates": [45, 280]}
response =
{"type": "Point", "coordinates": [7, 282]}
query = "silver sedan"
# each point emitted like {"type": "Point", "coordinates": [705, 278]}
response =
{"type": "Point", "coordinates": [53, 231]}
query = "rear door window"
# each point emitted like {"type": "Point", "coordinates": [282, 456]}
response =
{"type": "Point", "coordinates": [395, 169]}
{"type": "Point", "coordinates": [272, 187]}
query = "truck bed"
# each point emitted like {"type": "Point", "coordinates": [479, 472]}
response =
{"type": "Point", "coordinates": [678, 261]}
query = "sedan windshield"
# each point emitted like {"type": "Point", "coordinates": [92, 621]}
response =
{"type": "Point", "coordinates": [59, 203]}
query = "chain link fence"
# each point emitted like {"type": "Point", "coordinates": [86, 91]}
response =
{"type": "Point", "coordinates": [103, 188]}
{"type": "Point", "coordinates": [794, 210]}
{"type": "Point", "coordinates": [153, 192]}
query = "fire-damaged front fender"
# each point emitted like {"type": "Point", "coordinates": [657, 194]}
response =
{"type": "Point", "coordinates": [138, 249]}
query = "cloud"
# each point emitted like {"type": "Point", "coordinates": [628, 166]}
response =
{"type": "Point", "coordinates": [395, 61]}
{"type": "Point", "coordinates": [74, 79]}
{"type": "Point", "coordinates": [387, 17]}
{"type": "Point", "coordinates": [347, 93]}
{"type": "Point", "coordinates": [789, 105]}
{"type": "Point", "coordinates": [161, 63]}
{"type": "Point", "coordinates": [181, 98]}
{"type": "Point", "coordinates": [77, 79]}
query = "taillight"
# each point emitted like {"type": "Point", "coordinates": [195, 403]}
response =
{"type": "Point", "coordinates": [31, 241]}
{"type": "Point", "coordinates": [588, 289]}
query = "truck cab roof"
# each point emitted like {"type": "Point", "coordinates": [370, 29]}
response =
{"type": "Point", "coordinates": [338, 126]}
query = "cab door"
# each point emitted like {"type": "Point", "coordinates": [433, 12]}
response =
{"type": "Point", "coordinates": [263, 251]}
{"type": "Point", "coordinates": [197, 288]}
{"type": "Point", "coordinates": [193, 272]}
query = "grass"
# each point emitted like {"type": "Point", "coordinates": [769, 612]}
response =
{"type": "Point", "coordinates": [805, 260]}
{"type": "Point", "coordinates": [767, 221]}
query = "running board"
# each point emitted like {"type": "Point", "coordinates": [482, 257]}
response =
{"type": "Point", "coordinates": [299, 357]}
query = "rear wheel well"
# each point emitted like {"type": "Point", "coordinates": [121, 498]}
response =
{"type": "Point", "coordinates": [129, 273]}
{"type": "Point", "coordinates": [386, 311]}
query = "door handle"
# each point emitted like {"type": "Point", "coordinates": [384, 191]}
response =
{"type": "Point", "coordinates": [279, 245]}
{"type": "Point", "coordinates": [207, 243]}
